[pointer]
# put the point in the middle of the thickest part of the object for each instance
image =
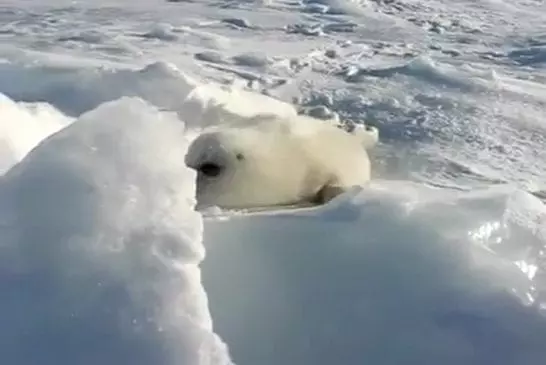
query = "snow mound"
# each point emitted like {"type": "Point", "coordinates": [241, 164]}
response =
{"type": "Point", "coordinates": [101, 246]}
{"type": "Point", "coordinates": [392, 273]}
{"type": "Point", "coordinates": [77, 90]}
{"type": "Point", "coordinates": [23, 126]}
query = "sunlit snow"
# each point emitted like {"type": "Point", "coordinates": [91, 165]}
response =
{"type": "Point", "coordinates": [104, 260]}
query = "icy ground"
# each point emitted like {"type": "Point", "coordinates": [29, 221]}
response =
{"type": "Point", "coordinates": [104, 261]}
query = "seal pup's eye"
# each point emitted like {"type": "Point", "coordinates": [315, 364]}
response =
{"type": "Point", "coordinates": [239, 156]}
{"type": "Point", "coordinates": [210, 169]}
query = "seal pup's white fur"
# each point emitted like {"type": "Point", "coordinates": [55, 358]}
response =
{"type": "Point", "coordinates": [267, 160]}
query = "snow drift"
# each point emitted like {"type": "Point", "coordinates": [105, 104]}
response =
{"type": "Point", "coordinates": [100, 247]}
{"type": "Point", "coordinates": [393, 273]}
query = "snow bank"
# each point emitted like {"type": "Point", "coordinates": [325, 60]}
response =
{"type": "Point", "coordinates": [23, 126]}
{"type": "Point", "coordinates": [393, 273]}
{"type": "Point", "coordinates": [100, 247]}
{"type": "Point", "coordinates": [77, 90]}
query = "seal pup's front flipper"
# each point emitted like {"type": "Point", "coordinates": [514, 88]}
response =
{"type": "Point", "coordinates": [327, 193]}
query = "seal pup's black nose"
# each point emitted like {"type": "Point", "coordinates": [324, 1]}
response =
{"type": "Point", "coordinates": [209, 169]}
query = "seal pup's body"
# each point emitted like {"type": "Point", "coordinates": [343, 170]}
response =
{"type": "Point", "coordinates": [268, 161]}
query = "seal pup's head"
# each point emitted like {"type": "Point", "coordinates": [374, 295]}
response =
{"type": "Point", "coordinates": [245, 168]}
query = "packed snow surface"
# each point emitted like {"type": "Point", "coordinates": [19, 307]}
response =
{"type": "Point", "coordinates": [104, 260]}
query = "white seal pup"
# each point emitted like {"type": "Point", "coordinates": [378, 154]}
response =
{"type": "Point", "coordinates": [267, 161]}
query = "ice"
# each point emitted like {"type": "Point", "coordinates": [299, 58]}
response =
{"type": "Point", "coordinates": [238, 22]}
{"type": "Point", "coordinates": [530, 56]}
{"type": "Point", "coordinates": [339, 6]}
{"type": "Point", "coordinates": [423, 68]}
{"type": "Point", "coordinates": [101, 246]}
{"type": "Point", "coordinates": [251, 59]}
{"type": "Point", "coordinates": [165, 32]}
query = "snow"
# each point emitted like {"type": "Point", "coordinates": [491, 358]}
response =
{"type": "Point", "coordinates": [104, 260]}
{"type": "Point", "coordinates": [23, 125]}
{"type": "Point", "coordinates": [101, 247]}
{"type": "Point", "coordinates": [393, 273]}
